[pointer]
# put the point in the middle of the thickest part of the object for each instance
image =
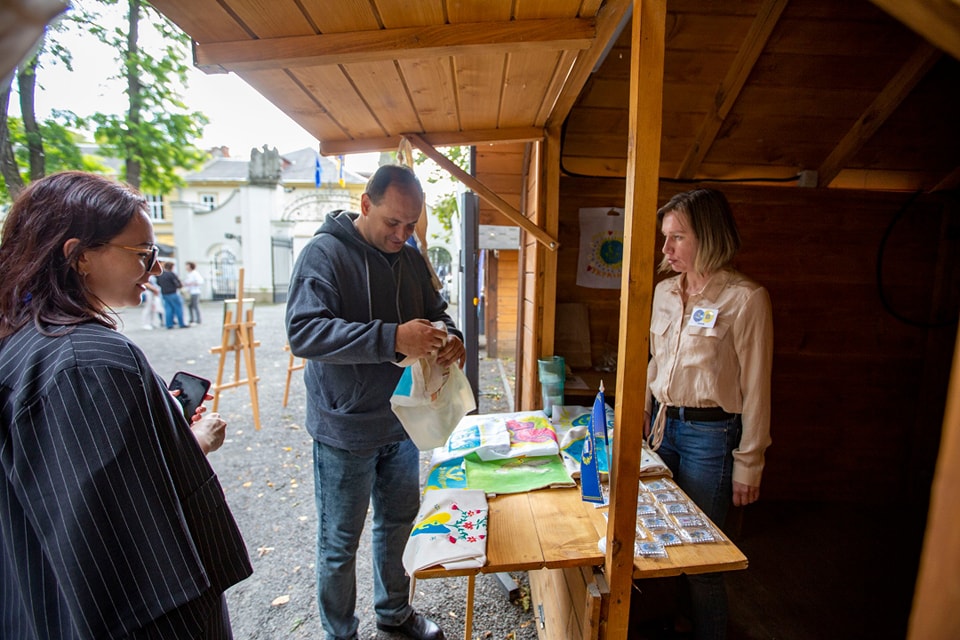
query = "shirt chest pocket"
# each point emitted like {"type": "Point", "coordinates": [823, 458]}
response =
{"type": "Point", "coordinates": [716, 332]}
{"type": "Point", "coordinates": [706, 347]}
{"type": "Point", "coordinates": [659, 325]}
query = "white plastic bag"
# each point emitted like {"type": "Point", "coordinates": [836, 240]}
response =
{"type": "Point", "coordinates": [430, 401]}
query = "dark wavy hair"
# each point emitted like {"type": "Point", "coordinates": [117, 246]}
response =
{"type": "Point", "coordinates": [37, 281]}
{"type": "Point", "coordinates": [388, 174]}
{"type": "Point", "coordinates": [711, 220]}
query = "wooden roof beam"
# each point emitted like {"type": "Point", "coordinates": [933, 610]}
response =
{"type": "Point", "coordinates": [886, 102]}
{"type": "Point", "coordinates": [436, 139]}
{"type": "Point", "coordinates": [753, 45]}
{"type": "Point", "coordinates": [938, 21]}
{"type": "Point", "coordinates": [608, 20]}
{"type": "Point", "coordinates": [483, 191]}
{"type": "Point", "coordinates": [949, 181]}
{"type": "Point", "coordinates": [398, 44]}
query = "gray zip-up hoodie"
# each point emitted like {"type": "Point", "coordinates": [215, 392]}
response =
{"type": "Point", "coordinates": [345, 302]}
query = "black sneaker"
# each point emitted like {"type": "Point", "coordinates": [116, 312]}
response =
{"type": "Point", "coordinates": [415, 627]}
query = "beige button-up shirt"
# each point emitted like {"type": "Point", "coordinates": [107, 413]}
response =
{"type": "Point", "coordinates": [727, 365]}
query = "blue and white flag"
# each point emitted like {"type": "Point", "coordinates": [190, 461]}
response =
{"type": "Point", "coordinates": [317, 172]}
{"type": "Point", "coordinates": [589, 470]}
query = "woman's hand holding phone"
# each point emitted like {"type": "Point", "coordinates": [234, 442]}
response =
{"type": "Point", "coordinates": [191, 391]}
{"type": "Point", "coordinates": [209, 432]}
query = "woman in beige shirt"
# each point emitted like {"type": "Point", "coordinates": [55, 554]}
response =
{"type": "Point", "coordinates": [708, 396]}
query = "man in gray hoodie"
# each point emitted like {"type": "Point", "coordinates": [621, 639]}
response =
{"type": "Point", "coordinates": [361, 300]}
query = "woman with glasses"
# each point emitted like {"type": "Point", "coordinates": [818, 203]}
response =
{"type": "Point", "coordinates": [114, 523]}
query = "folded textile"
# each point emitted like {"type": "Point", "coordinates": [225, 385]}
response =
{"type": "Point", "coordinates": [530, 434]}
{"type": "Point", "coordinates": [448, 474]}
{"type": "Point", "coordinates": [499, 436]}
{"type": "Point", "coordinates": [450, 531]}
{"type": "Point", "coordinates": [472, 433]}
{"type": "Point", "coordinates": [516, 475]}
{"type": "Point", "coordinates": [571, 423]}
{"type": "Point", "coordinates": [652, 464]}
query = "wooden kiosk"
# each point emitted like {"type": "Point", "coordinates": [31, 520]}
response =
{"type": "Point", "coordinates": [845, 109]}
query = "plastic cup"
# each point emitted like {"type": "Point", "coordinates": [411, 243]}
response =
{"type": "Point", "coordinates": [552, 374]}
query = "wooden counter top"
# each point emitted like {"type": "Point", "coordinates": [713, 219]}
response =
{"type": "Point", "coordinates": [554, 528]}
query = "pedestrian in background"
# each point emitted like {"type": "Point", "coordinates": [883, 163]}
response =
{"type": "Point", "coordinates": [361, 300]}
{"type": "Point", "coordinates": [114, 523]}
{"type": "Point", "coordinates": [151, 304]}
{"type": "Point", "coordinates": [193, 282]}
{"type": "Point", "coordinates": [170, 286]}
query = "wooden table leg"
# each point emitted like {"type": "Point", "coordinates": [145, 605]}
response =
{"type": "Point", "coordinates": [468, 630]}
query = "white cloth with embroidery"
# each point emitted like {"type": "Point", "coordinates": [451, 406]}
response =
{"type": "Point", "coordinates": [450, 531]}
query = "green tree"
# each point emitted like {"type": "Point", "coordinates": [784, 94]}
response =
{"type": "Point", "coordinates": [155, 136]}
{"type": "Point", "coordinates": [31, 138]}
{"type": "Point", "coordinates": [445, 207]}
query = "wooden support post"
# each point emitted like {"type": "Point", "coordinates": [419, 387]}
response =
{"type": "Point", "coordinates": [291, 367]}
{"type": "Point", "coordinates": [237, 337]}
{"type": "Point", "coordinates": [636, 292]}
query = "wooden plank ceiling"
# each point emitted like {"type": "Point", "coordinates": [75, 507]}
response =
{"type": "Point", "coordinates": [358, 74]}
{"type": "Point", "coordinates": [812, 92]}
{"type": "Point", "coordinates": [835, 93]}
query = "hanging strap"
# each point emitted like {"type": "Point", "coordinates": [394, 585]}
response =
{"type": "Point", "coordinates": [657, 427]}
{"type": "Point", "coordinates": [405, 157]}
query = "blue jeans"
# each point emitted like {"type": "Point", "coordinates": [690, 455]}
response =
{"type": "Point", "coordinates": [700, 455]}
{"type": "Point", "coordinates": [173, 307]}
{"type": "Point", "coordinates": [345, 481]}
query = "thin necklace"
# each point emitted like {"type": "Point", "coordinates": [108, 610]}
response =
{"type": "Point", "coordinates": [705, 283]}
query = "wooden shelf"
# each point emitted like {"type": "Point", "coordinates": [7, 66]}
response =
{"type": "Point", "coordinates": [591, 379]}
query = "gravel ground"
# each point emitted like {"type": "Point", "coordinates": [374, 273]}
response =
{"type": "Point", "coordinates": [267, 477]}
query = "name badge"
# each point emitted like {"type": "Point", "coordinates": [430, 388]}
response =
{"type": "Point", "coordinates": [704, 317]}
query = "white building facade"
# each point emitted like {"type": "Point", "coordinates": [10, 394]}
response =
{"type": "Point", "coordinates": [258, 214]}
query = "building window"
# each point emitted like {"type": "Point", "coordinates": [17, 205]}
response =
{"type": "Point", "coordinates": [209, 200]}
{"type": "Point", "coordinates": [156, 207]}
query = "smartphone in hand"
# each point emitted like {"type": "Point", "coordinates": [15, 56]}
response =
{"type": "Point", "coordinates": [192, 391]}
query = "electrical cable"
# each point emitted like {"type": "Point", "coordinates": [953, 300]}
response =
{"type": "Point", "coordinates": [887, 306]}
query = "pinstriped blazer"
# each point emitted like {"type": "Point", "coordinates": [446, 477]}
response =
{"type": "Point", "coordinates": [112, 522]}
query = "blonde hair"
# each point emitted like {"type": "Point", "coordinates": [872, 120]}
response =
{"type": "Point", "coordinates": [711, 220]}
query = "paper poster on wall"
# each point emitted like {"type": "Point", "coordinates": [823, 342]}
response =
{"type": "Point", "coordinates": [601, 247]}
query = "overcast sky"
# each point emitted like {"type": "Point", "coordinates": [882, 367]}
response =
{"type": "Point", "coordinates": [240, 118]}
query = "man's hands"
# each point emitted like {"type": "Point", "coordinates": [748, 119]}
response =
{"type": "Point", "coordinates": [420, 339]}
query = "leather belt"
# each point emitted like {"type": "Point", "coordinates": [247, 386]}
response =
{"type": "Point", "coordinates": [702, 414]}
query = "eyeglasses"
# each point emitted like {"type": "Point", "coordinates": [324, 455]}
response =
{"type": "Point", "coordinates": [149, 257]}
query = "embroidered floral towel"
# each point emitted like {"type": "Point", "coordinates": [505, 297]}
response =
{"type": "Point", "coordinates": [450, 531]}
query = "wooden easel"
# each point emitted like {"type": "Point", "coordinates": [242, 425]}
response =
{"type": "Point", "coordinates": [238, 338]}
{"type": "Point", "coordinates": [291, 367]}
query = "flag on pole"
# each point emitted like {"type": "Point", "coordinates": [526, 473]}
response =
{"type": "Point", "coordinates": [589, 470]}
{"type": "Point", "coordinates": [340, 162]}
{"type": "Point", "coordinates": [317, 171]}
